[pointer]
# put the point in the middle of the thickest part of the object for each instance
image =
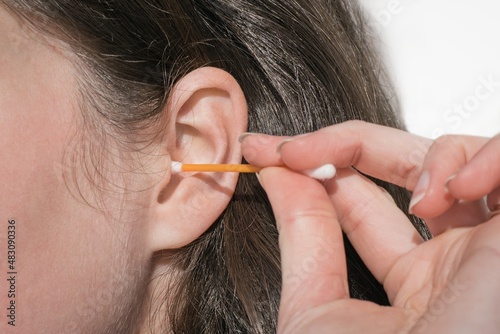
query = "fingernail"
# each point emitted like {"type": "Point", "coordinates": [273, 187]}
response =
{"type": "Point", "coordinates": [386, 194]}
{"type": "Point", "coordinates": [244, 135]}
{"type": "Point", "coordinates": [419, 191]}
{"type": "Point", "coordinates": [280, 146]}
{"type": "Point", "coordinates": [258, 178]}
{"type": "Point", "coordinates": [447, 182]}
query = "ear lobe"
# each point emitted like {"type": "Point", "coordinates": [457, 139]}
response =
{"type": "Point", "coordinates": [207, 112]}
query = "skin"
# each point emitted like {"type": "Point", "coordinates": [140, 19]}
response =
{"type": "Point", "coordinates": [39, 115]}
{"type": "Point", "coordinates": [85, 248]}
{"type": "Point", "coordinates": [431, 285]}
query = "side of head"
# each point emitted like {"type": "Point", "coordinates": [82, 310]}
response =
{"type": "Point", "coordinates": [155, 81]}
{"type": "Point", "coordinates": [89, 181]}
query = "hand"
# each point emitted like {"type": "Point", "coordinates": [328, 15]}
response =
{"type": "Point", "coordinates": [446, 285]}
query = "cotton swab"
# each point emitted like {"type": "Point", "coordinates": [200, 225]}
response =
{"type": "Point", "coordinates": [322, 173]}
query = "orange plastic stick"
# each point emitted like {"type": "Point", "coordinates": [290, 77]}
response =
{"type": "Point", "coordinates": [220, 168]}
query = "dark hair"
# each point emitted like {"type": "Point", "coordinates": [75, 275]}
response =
{"type": "Point", "coordinates": [302, 65]}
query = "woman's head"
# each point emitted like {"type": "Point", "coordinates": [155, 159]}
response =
{"type": "Point", "coordinates": [66, 252]}
{"type": "Point", "coordinates": [100, 96]}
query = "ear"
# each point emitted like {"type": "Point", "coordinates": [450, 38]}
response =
{"type": "Point", "coordinates": [207, 112]}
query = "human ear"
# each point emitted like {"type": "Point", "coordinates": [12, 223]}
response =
{"type": "Point", "coordinates": [207, 112]}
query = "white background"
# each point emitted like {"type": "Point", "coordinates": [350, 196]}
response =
{"type": "Point", "coordinates": [444, 58]}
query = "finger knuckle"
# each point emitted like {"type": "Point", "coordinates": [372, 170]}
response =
{"type": "Point", "coordinates": [310, 215]}
{"type": "Point", "coordinates": [445, 141]}
{"type": "Point", "coordinates": [352, 218]}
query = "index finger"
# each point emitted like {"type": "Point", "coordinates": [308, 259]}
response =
{"type": "Point", "coordinates": [382, 152]}
{"type": "Point", "coordinates": [312, 250]}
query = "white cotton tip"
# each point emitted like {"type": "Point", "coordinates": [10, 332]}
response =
{"type": "Point", "coordinates": [324, 172]}
{"type": "Point", "coordinates": [176, 167]}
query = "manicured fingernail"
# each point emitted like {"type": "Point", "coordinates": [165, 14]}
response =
{"type": "Point", "coordinates": [447, 182]}
{"type": "Point", "coordinates": [280, 146]}
{"type": "Point", "coordinates": [244, 135]}
{"type": "Point", "coordinates": [420, 190]}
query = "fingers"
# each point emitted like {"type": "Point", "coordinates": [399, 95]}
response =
{"type": "Point", "coordinates": [493, 200]}
{"type": "Point", "coordinates": [481, 175]}
{"type": "Point", "coordinates": [397, 157]}
{"type": "Point", "coordinates": [435, 193]}
{"type": "Point", "coordinates": [461, 214]}
{"type": "Point", "coordinates": [379, 231]}
{"type": "Point", "coordinates": [262, 150]}
{"type": "Point", "coordinates": [385, 153]}
{"type": "Point", "coordinates": [312, 250]}
{"type": "Point", "coordinates": [403, 159]}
